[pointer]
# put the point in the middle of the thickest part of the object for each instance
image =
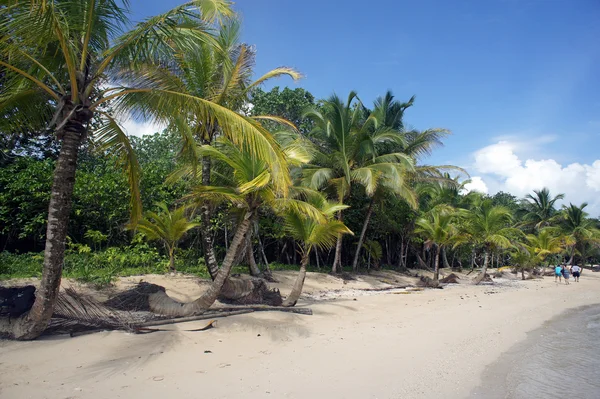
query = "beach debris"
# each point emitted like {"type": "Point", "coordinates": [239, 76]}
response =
{"type": "Point", "coordinates": [15, 301]}
{"type": "Point", "coordinates": [450, 279]}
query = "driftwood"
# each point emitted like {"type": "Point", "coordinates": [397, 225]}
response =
{"type": "Point", "coordinates": [205, 316]}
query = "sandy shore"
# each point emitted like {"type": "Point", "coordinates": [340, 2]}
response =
{"type": "Point", "coordinates": [362, 344]}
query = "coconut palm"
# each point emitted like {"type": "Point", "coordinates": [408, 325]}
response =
{"type": "Point", "coordinates": [64, 62]}
{"type": "Point", "coordinates": [578, 228]}
{"type": "Point", "coordinates": [347, 137]}
{"type": "Point", "coordinates": [221, 74]}
{"type": "Point", "coordinates": [490, 227]}
{"type": "Point", "coordinates": [547, 242]}
{"type": "Point", "coordinates": [414, 145]}
{"type": "Point", "coordinates": [248, 184]}
{"type": "Point", "coordinates": [312, 233]}
{"type": "Point", "coordinates": [538, 210]}
{"type": "Point", "coordinates": [166, 226]}
{"type": "Point", "coordinates": [438, 228]}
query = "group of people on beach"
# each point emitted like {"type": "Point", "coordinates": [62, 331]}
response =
{"type": "Point", "coordinates": [565, 271]}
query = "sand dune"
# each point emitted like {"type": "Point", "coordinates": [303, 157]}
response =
{"type": "Point", "coordinates": [358, 344]}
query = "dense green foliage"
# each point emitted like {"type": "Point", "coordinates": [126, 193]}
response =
{"type": "Point", "coordinates": [234, 150]}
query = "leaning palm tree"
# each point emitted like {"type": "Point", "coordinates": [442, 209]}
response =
{"type": "Point", "coordinates": [66, 65]}
{"type": "Point", "coordinates": [166, 226]}
{"type": "Point", "coordinates": [538, 210]}
{"type": "Point", "coordinates": [490, 227]}
{"type": "Point", "coordinates": [312, 233]}
{"type": "Point", "coordinates": [221, 74]}
{"type": "Point", "coordinates": [438, 228]}
{"type": "Point", "coordinates": [578, 228]}
{"type": "Point", "coordinates": [248, 184]}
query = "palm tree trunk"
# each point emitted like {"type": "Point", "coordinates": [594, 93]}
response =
{"type": "Point", "coordinates": [362, 236]}
{"type": "Point", "coordinates": [33, 323]}
{"type": "Point", "coordinates": [445, 258]}
{"type": "Point", "coordinates": [436, 270]}
{"type": "Point", "coordinates": [171, 259]}
{"type": "Point", "coordinates": [254, 270]}
{"type": "Point", "coordinates": [481, 275]}
{"type": "Point", "coordinates": [207, 242]}
{"type": "Point", "coordinates": [162, 304]}
{"type": "Point", "coordinates": [299, 283]}
{"type": "Point", "coordinates": [337, 260]}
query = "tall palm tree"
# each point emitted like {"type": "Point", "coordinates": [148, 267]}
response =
{"type": "Point", "coordinates": [439, 230]}
{"type": "Point", "coordinates": [312, 233]}
{"type": "Point", "coordinates": [221, 74]}
{"type": "Point", "coordinates": [168, 227]}
{"type": "Point", "coordinates": [346, 138]}
{"type": "Point", "coordinates": [578, 228]}
{"type": "Point", "coordinates": [413, 144]}
{"type": "Point", "coordinates": [538, 210]}
{"type": "Point", "coordinates": [67, 64]}
{"type": "Point", "coordinates": [490, 227]}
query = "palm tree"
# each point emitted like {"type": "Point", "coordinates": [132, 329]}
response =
{"type": "Point", "coordinates": [490, 227]}
{"type": "Point", "coordinates": [68, 64]}
{"type": "Point", "coordinates": [247, 184]}
{"type": "Point", "coordinates": [312, 233]}
{"type": "Point", "coordinates": [412, 144]}
{"type": "Point", "coordinates": [168, 227]}
{"type": "Point", "coordinates": [346, 138]}
{"type": "Point", "coordinates": [63, 63]}
{"type": "Point", "coordinates": [578, 228]}
{"type": "Point", "coordinates": [539, 210]}
{"type": "Point", "coordinates": [221, 74]}
{"type": "Point", "coordinates": [438, 228]}
{"type": "Point", "coordinates": [547, 242]}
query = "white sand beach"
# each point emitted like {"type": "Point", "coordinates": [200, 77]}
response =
{"type": "Point", "coordinates": [362, 344]}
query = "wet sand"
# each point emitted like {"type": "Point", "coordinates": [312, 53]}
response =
{"type": "Point", "coordinates": [423, 344]}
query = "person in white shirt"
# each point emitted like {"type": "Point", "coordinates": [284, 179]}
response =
{"type": "Point", "coordinates": [576, 273]}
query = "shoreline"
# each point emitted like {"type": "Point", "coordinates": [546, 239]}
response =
{"type": "Point", "coordinates": [386, 345]}
{"type": "Point", "coordinates": [540, 342]}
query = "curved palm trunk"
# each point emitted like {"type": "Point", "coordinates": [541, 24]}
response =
{"type": "Point", "coordinates": [162, 304]}
{"type": "Point", "coordinates": [481, 275]}
{"type": "Point", "coordinates": [299, 283]}
{"type": "Point", "coordinates": [445, 258]}
{"type": "Point", "coordinates": [362, 236]}
{"type": "Point", "coordinates": [33, 323]}
{"type": "Point", "coordinates": [254, 270]}
{"type": "Point", "coordinates": [436, 270]}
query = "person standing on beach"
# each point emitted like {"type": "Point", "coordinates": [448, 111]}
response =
{"type": "Point", "coordinates": [558, 273]}
{"type": "Point", "coordinates": [576, 273]}
{"type": "Point", "coordinates": [566, 274]}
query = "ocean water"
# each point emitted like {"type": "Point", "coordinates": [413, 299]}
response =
{"type": "Point", "coordinates": [559, 360]}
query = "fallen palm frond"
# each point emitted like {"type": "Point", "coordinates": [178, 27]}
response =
{"type": "Point", "coordinates": [77, 312]}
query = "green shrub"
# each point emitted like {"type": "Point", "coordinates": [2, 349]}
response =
{"type": "Point", "coordinates": [100, 268]}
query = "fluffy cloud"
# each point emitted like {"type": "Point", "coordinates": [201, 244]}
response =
{"type": "Point", "coordinates": [500, 165]}
{"type": "Point", "coordinates": [139, 129]}
{"type": "Point", "coordinates": [476, 184]}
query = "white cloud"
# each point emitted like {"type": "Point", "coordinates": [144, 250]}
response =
{"type": "Point", "coordinates": [501, 165]}
{"type": "Point", "coordinates": [139, 129]}
{"type": "Point", "coordinates": [476, 184]}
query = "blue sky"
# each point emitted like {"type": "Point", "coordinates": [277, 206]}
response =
{"type": "Point", "coordinates": [503, 75]}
